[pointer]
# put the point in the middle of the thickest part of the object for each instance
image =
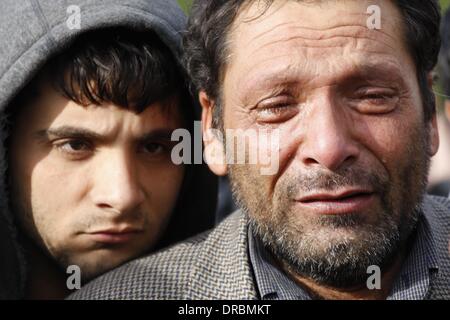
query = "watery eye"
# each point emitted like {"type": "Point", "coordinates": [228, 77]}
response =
{"type": "Point", "coordinates": [375, 100]}
{"type": "Point", "coordinates": [272, 111]}
{"type": "Point", "coordinates": [277, 109]}
{"type": "Point", "coordinates": [376, 97]}
{"type": "Point", "coordinates": [375, 93]}
{"type": "Point", "coordinates": [277, 113]}
{"type": "Point", "coordinates": [373, 96]}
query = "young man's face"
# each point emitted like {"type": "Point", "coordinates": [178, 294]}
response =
{"type": "Point", "coordinates": [94, 186]}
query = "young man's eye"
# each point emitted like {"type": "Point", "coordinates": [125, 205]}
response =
{"type": "Point", "coordinates": [74, 147]}
{"type": "Point", "coordinates": [154, 148]}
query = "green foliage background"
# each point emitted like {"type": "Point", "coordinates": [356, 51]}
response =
{"type": "Point", "coordinates": [444, 4]}
{"type": "Point", "coordinates": [186, 4]}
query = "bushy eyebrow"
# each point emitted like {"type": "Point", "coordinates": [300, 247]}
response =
{"type": "Point", "coordinates": [83, 133]}
{"type": "Point", "coordinates": [377, 71]}
{"type": "Point", "coordinates": [68, 131]}
{"type": "Point", "coordinates": [292, 77]}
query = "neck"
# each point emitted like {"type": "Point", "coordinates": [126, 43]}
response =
{"type": "Point", "coordinates": [360, 292]}
{"type": "Point", "coordinates": [46, 280]}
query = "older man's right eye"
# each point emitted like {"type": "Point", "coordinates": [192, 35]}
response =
{"type": "Point", "coordinates": [278, 109]}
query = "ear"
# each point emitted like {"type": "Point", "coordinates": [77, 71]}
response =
{"type": "Point", "coordinates": [434, 136]}
{"type": "Point", "coordinates": [214, 153]}
{"type": "Point", "coordinates": [447, 109]}
{"type": "Point", "coordinates": [430, 79]}
{"type": "Point", "coordinates": [434, 132]}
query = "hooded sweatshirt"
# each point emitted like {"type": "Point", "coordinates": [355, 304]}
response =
{"type": "Point", "coordinates": [32, 32]}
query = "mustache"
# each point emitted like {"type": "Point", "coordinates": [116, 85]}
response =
{"type": "Point", "coordinates": [333, 181]}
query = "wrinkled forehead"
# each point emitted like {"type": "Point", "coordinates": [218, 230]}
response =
{"type": "Point", "coordinates": [308, 31]}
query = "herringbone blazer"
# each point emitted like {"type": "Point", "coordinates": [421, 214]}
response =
{"type": "Point", "coordinates": [215, 265]}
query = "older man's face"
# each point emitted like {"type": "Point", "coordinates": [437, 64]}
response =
{"type": "Point", "coordinates": [354, 145]}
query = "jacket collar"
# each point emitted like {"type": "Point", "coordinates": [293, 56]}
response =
{"type": "Point", "coordinates": [224, 263]}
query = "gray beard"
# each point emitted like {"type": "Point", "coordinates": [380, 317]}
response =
{"type": "Point", "coordinates": [340, 264]}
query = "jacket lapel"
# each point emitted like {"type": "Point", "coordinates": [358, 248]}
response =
{"type": "Point", "coordinates": [223, 269]}
{"type": "Point", "coordinates": [437, 212]}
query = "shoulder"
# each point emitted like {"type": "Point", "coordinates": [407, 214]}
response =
{"type": "Point", "coordinates": [437, 213]}
{"type": "Point", "coordinates": [437, 209]}
{"type": "Point", "coordinates": [167, 274]}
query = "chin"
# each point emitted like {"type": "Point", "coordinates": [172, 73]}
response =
{"type": "Point", "coordinates": [90, 272]}
{"type": "Point", "coordinates": [92, 268]}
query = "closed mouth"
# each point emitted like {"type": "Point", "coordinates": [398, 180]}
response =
{"type": "Point", "coordinates": [342, 196]}
{"type": "Point", "coordinates": [114, 236]}
{"type": "Point", "coordinates": [338, 203]}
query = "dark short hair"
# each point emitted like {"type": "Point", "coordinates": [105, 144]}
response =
{"type": "Point", "coordinates": [121, 66]}
{"type": "Point", "coordinates": [210, 22]}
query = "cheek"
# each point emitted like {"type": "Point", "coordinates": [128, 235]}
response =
{"type": "Point", "coordinates": [56, 192]}
{"type": "Point", "coordinates": [389, 140]}
{"type": "Point", "coordinates": [162, 187]}
{"type": "Point", "coordinates": [43, 194]}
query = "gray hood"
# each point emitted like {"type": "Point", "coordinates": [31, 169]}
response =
{"type": "Point", "coordinates": [33, 31]}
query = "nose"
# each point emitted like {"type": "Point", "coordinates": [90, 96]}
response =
{"type": "Point", "coordinates": [328, 141]}
{"type": "Point", "coordinates": [116, 186]}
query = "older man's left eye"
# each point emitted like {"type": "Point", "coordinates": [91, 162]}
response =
{"type": "Point", "coordinates": [376, 98]}
{"type": "Point", "coordinates": [376, 101]}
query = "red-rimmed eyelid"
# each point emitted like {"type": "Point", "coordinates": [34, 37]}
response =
{"type": "Point", "coordinates": [276, 102]}
{"type": "Point", "coordinates": [375, 100]}
{"type": "Point", "coordinates": [277, 110]}
{"type": "Point", "coordinates": [376, 93]}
